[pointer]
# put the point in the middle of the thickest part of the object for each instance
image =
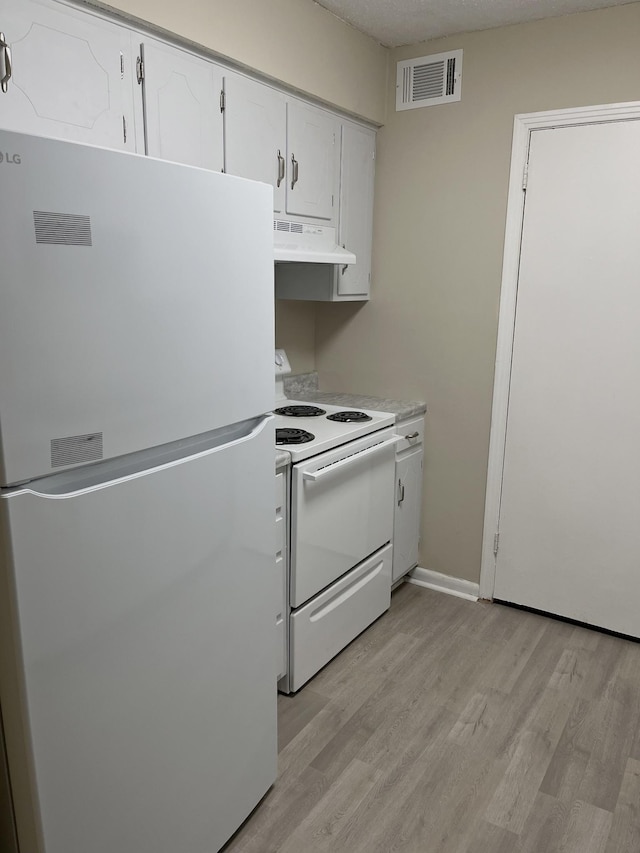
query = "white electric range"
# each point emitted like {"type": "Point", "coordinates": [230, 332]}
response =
{"type": "Point", "coordinates": [342, 480]}
{"type": "Point", "coordinates": [305, 429]}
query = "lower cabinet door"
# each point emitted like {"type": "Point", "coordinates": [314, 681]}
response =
{"type": "Point", "coordinates": [324, 626]}
{"type": "Point", "coordinates": [406, 521]}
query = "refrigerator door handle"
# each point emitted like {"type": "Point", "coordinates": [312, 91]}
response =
{"type": "Point", "coordinates": [78, 482]}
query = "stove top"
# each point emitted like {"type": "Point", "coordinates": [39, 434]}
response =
{"type": "Point", "coordinates": [326, 430]}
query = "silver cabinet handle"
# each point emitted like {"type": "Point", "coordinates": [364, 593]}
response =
{"type": "Point", "coordinates": [412, 435]}
{"type": "Point", "coordinates": [280, 168]}
{"type": "Point", "coordinates": [4, 83]}
{"type": "Point", "coordinates": [294, 171]}
{"type": "Point", "coordinates": [400, 492]}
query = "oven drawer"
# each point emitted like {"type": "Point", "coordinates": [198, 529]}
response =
{"type": "Point", "coordinates": [342, 511]}
{"type": "Point", "coordinates": [324, 626]}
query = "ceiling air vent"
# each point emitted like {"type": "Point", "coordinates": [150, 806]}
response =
{"type": "Point", "coordinates": [429, 80]}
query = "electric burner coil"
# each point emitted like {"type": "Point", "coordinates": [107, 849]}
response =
{"type": "Point", "coordinates": [289, 435]}
{"type": "Point", "coordinates": [300, 411]}
{"type": "Point", "coordinates": [349, 417]}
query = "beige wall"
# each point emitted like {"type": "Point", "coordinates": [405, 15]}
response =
{"type": "Point", "coordinates": [293, 41]}
{"type": "Point", "coordinates": [296, 333]}
{"type": "Point", "coordinates": [442, 175]}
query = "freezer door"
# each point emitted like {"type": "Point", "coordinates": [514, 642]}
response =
{"type": "Point", "coordinates": [136, 303]}
{"type": "Point", "coordinates": [143, 613]}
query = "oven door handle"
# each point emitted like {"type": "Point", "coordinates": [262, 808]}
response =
{"type": "Point", "coordinates": [314, 476]}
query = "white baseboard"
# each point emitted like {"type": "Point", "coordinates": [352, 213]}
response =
{"type": "Point", "coordinates": [444, 583]}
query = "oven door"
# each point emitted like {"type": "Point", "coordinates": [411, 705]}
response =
{"type": "Point", "coordinates": [342, 511]}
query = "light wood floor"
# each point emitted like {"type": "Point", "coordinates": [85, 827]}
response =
{"type": "Point", "coordinates": [455, 727]}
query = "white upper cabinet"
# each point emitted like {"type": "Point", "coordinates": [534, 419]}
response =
{"type": "Point", "coordinates": [332, 282]}
{"type": "Point", "coordinates": [71, 75]}
{"type": "Point", "coordinates": [357, 171]}
{"type": "Point", "coordinates": [255, 134]}
{"type": "Point", "coordinates": [286, 143]}
{"type": "Point", "coordinates": [74, 74]}
{"type": "Point", "coordinates": [312, 161]}
{"type": "Point", "coordinates": [182, 106]}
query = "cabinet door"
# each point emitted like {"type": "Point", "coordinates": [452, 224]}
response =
{"type": "Point", "coordinates": [357, 165]}
{"type": "Point", "coordinates": [312, 166]}
{"type": "Point", "coordinates": [255, 134]}
{"type": "Point", "coordinates": [406, 522]}
{"type": "Point", "coordinates": [72, 75]}
{"type": "Point", "coordinates": [183, 119]}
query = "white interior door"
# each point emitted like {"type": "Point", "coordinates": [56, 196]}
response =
{"type": "Point", "coordinates": [569, 520]}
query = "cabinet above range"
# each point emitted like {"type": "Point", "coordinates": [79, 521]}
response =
{"type": "Point", "coordinates": [278, 139]}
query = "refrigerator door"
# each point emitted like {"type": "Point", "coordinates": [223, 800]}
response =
{"type": "Point", "coordinates": [143, 628]}
{"type": "Point", "coordinates": [136, 303]}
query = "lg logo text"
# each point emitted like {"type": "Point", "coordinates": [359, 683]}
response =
{"type": "Point", "coordinates": [10, 158]}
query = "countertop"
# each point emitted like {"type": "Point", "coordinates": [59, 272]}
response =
{"type": "Point", "coordinates": [402, 409]}
{"type": "Point", "coordinates": [283, 458]}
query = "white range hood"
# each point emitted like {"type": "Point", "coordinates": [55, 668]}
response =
{"type": "Point", "coordinates": [300, 242]}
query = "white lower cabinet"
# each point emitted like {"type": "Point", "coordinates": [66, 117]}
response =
{"type": "Point", "coordinates": [408, 496]}
{"type": "Point", "coordinates": [326, 624]}
{"type": "Point", "coordinates": [282, 572]}
{"type": "Point", "coordinates": [71, 75]}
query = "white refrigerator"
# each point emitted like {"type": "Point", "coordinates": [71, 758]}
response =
{"type": "Point", "coordinates": [137, 573]}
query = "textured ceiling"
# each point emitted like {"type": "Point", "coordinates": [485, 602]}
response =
{"type": "Point", "coordinates": [398, 22]}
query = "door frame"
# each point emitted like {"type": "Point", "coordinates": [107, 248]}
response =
{"type": "Point", "coordinates": [523, 126]}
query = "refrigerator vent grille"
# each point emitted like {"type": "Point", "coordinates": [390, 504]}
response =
{"type": "Point", "coordinates": [62, 229]}
{"type": "Point", "coordinates": [75, 449]}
